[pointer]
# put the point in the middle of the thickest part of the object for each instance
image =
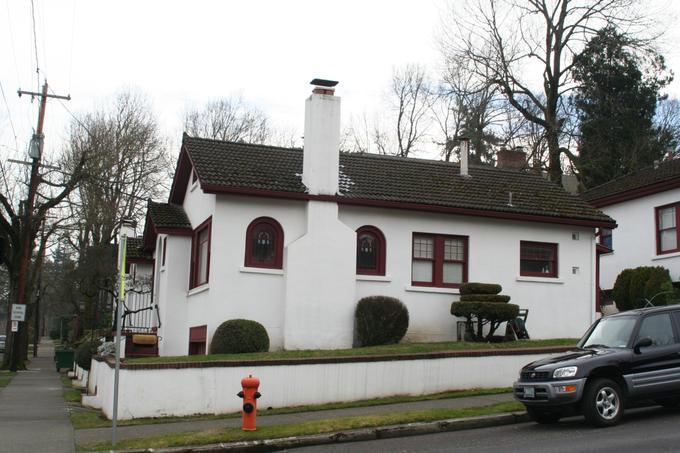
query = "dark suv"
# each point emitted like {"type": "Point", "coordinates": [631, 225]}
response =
{"type": "Point", "coordinates": [623, 357]}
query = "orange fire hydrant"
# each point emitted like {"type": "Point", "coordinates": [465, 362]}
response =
{"type": "Point", "coordinates": [250, 396]}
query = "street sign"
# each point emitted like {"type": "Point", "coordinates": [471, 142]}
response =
{"type": "Point", "coordinates": [18, 312]}
{"type": "Point", "coordinates": [15, 326]}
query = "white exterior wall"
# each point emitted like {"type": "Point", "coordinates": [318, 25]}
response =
{"type": "Point", "coordinates": [321, 272]}
{"type": "Point", "coordinates": [213, 390]}
{"type": "Point", "coordinates": [634, 241]}
{"type": "Point", "coordinates": [561, 307]}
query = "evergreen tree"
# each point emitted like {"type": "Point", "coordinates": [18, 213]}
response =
{"type": "Point", "coordinates": [616, 100]}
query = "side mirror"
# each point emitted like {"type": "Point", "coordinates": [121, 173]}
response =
{"type": "Point", "coordinates": [642, 343]}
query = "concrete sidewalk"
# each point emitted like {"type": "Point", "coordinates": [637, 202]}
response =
{"type": "Point", "coordinates": [140, 431]}
{"type": "Point", "coordinates": [33, 414]}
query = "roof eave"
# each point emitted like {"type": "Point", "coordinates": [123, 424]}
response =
{"type": "Point", "coordinates": [638, 192]}
{"type": "Point", "coordinates": [221, 189]}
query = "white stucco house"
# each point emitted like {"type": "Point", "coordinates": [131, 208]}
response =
{"type": "Point", "coordinates": [646, 206]}
{"type": "Point", "coordinates": [293, 238]}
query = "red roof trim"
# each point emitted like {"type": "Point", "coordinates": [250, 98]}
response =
{"type": "Point", "coordinates": [216, 189]}
{"type": "Point", "coordinates": [637, 192]}
{"type": "Point", "coordinates": [182, 176]}
{"type": "Point", "coordinates": [175, 231]}
{"type": "Point", "coordinates": [139, 260]}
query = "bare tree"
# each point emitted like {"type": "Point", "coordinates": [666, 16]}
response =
{"type": "Point", "coordinates": [18, 234]}
{"type": "Point", "coordinates": [667, 122]}
{"type": "Point", "coordinates": [526, 48]}
{"type": "Point", "coordinates": [411, 98]}
{"type": "Point", "coordinates": [229, 119]}
{"type": "Point", "coordinates": [131, 166]}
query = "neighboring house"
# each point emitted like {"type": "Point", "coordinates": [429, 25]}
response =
{"type": "Point", "coordinates": [294, 238]}
{"type": "Point", "coordinates": [646, 206]}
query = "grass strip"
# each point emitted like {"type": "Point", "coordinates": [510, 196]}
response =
{"type": "Point", "coordinates": [6, 378]}
{"type": "Point", "coordinates": [303, 429]}
{"type": "Point", "coordinates": [88, 420]}
{"type": "Point", "coordinates": [401, 348]}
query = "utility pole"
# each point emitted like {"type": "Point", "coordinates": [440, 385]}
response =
{"type": "Point", "coordinates": [27, 239]}
{"type": "Point", "coordinates": [36, 312]}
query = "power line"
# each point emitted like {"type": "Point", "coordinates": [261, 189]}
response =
{"type": "Point", "coordinates": [9, 114]}
{"type": "Point", "coordinates": [35, 42]}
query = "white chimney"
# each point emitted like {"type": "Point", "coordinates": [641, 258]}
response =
{"type": "Point", "coordinates": [464, 154]}
{"type": "Point", "coordinates": [321, 158]}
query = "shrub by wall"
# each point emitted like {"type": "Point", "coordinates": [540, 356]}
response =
{"type": "Point", "coordinates": [633, 287]}
{"type": "Point", "coordinates": [237, 336]}
{"type": "Point", "coordinates": [380, 320]}
{"type": "Point", "coordinates": [480, 288]}
{"type": "Point", "coordinates": [84, 353]}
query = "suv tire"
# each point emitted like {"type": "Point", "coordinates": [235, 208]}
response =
{"type": "Point", "coordinates": [602, 403]}
{"type": "Point", "coordinates": [543, 416]}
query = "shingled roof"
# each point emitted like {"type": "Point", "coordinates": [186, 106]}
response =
{"type": "Point", "coordinates": [168, 216]}
{"type": "Point", "coordinates": [385, 181]}
{"type": "Point", "coordinates": [134, 250]}
{"type": "Point", "coordinates": [649, 180]}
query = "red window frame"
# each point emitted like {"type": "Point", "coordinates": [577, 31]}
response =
{"type": "Point", "coordinates": [604, 234]}
{"type": "Point", "coordinates": [545, 245]}
{"type": "Point", "coordinates": [165, 247]}
{"type": "Point", "coordinates": [198, 337]}
{"type": "Point", "coordinates": [277, 261]}
{"type": "Point", "coordinates": [438, 259]}
{"type": "Point", "coordinates": [379, 244]}
{"type": "Point", "coordinates": [195, 249]}
{"type": "Point", "coordinates": [658, 230]}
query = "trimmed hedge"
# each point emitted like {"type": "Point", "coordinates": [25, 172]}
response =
{"type": "Point", "coordinates": [491, 298]}
{"type": "Point", "coordinates": [480, 288]}
{"type": "Point", "coordinates": [237, 336]}
{"type": "Point", "coordinates": [380, 320]}
{"type": "Point", "coordinates": [634, 287]}
{"type": "Point", "coordinates": [84, 353]}
{"type": "Point", "coordinates": [487, 310]}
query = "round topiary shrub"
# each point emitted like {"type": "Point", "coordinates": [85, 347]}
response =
{"type": "Point", "coordinates": [480, 288]}
{"type": "Point", "coordinates": [238, 336]}
{"type": "Point", "coordinates": [84, 353]}
{"type": "Point", "coordinates": [380, 320]}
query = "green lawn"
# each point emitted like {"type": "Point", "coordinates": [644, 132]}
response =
{"type": "Point", "coordinates": [401, 348]}
{"type": "Point", "coordinates": [302, 429]}
{"type": "Point", "coordinates": [6, 378]}
{"type": "Point", "coordinates": [87, 420]}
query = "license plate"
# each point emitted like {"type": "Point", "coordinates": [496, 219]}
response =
{"type": "Point", "coordinates": [529, 392]}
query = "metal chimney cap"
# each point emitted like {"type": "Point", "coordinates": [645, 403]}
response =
{"type": "Point", "coordinates": [323, 83]}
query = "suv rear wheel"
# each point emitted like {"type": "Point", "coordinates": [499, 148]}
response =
{"type": "Point", "coordinates": [543, 416]}
{"type": "Point", "coordinates": [602, 403]}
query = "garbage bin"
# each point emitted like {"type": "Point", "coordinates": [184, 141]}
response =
{"type": "Point", "coordinates": [63, 358]}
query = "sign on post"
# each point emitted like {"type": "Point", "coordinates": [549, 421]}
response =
{"type": "Point", "coordinates": [18, 312]}
{"type": "Point", "coordinates": [15, 326]}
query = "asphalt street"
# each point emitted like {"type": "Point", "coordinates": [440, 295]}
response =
{"type": "Point", "coordinates": [652, 429]}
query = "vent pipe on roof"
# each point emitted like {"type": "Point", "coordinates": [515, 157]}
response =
{"type": "Point", "coordinates": [464, 154]}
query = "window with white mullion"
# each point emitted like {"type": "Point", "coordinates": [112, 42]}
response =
{"type": "Point", "coordinates": [423, 259]}
{"type": "Point", "coordinates": [667, 229]}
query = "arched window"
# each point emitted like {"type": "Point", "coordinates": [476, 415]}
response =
{"type": "Point", "coordinates": [370, 251]}
{"type": "Point", "coordinates": [264, 244]}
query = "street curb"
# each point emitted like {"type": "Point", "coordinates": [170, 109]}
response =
{"type": "Point", "coordinates": [354, 435]}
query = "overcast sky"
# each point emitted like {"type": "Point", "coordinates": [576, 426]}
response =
{"type": "Point", "coordinates": [183, 53]}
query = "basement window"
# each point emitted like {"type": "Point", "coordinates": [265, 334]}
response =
{"type": "Point", "coordinates": [197, 340]}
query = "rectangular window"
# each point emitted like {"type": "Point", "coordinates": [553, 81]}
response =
{"type": "Point", "coordinates": [606, 238]}
{"type": "Point", "coordinates": [165, 248]}
{"type": "Point", "coordinates": [200, 254]}
{"type": "Point", "coordinates": [538, 259]}
{"type": "Point", "coordinates": [667, 229]}
{"type": "Point", "coordinates": [439, 260]}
